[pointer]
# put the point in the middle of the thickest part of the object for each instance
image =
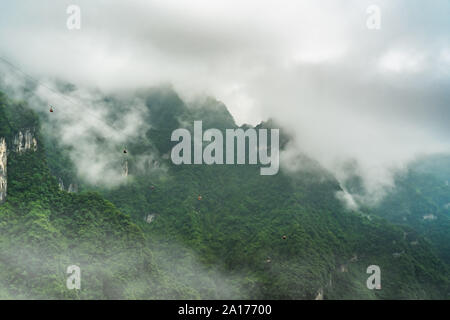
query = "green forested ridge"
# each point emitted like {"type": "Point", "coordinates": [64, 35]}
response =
{"type": "Point", "coordinates": [43, 230]}
{"type": "Point", "coordinates": [229, 244]}
{"type": "Point", "coordinates": [421, 201]}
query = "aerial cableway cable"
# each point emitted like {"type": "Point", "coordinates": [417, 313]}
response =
{"type": "Point", "coordinates": [78, 105]}
{"type": "Point", "coordinates": [68, 99]}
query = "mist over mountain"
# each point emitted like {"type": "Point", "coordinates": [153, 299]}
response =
{"type": "Point", "coordinates": [87, 177]}
{"type": "Point", "coordinates": [219, 231]}
{"type": "Point", "coordinates": [348, 95]}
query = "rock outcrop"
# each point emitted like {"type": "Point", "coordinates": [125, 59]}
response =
{"type": "Point", "coordinates": [319, 295]}
{"type": "Point", "coordinates": [3, 166]}
{"type": "Point", "coordinates": [22, 142]}
{"type": "Point", "coordinates": [125, 168]}
{"type": "Point", "coordinates": [149, 218]}
{"type": "Point", "coordinates": [73, 187]}
{"type": "Point", "coordinates": [61, 184]}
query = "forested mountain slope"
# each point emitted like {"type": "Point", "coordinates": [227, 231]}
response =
{"type": "Point", "coordinates": [175, 231]}
{"type": "Point", "coordinates": [421, 201]}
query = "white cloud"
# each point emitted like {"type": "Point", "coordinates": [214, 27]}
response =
{"type": "Point", "coordinates": [344, 91]}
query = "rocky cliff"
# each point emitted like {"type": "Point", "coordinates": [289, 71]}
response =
{"type": "Point", "coordinates": [22, 141]}
{"type": "Point", "coordinates": [3, 165]}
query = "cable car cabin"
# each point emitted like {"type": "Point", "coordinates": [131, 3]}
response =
{"type": "Point", "coordinates": [51, 109]}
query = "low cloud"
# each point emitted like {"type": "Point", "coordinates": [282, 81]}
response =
{"type": "Point", "coordinates": [95, 130]}
{"type": "Point", "coordinates": [376, 98]}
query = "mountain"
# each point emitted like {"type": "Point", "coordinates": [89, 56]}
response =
{"type": "Point", "coordinates": [44, 230]}
{"type": "Point", "coordinates": [194, 231]}
{"type": "Point", "coordinates": [421, 202]}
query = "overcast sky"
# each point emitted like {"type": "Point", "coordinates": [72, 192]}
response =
{"type": "Point", "coordinates": [345, 91]}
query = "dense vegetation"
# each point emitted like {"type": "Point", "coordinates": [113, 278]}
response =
{"type": "Point", "coordinates": [44, 230]}
{"type": "Point", "coordinates": [248, 236]}
{"type": "Point", "coordinates": [421, 201]}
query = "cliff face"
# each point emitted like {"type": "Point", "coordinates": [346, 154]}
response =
{"type": "Point", "coordinates": [3, 165]}
{"type": "Point", "coordinates": [73, 187]}
{"type": "Point", "coordinates": [22, 142]}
